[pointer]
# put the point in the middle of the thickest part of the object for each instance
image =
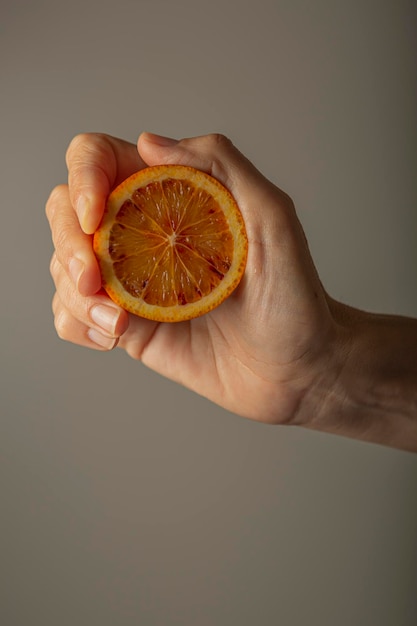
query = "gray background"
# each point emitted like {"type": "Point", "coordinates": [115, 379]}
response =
{"type": "Point", "coordinates": [126, 499]}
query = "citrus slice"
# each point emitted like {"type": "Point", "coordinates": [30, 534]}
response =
{"type": "Point", "coordinates": [172, 243]}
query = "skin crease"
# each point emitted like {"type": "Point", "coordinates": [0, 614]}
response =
{"type": "Point", "coordinates": [279, 350]}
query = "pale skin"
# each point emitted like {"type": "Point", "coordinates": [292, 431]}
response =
{"type": "Point", "coordinates": [279, 350]}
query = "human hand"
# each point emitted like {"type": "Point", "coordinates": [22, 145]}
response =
{"type": "Point", "coordinates": [262, 352]}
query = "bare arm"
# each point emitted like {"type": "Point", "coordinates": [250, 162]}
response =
{"type": "Point", "coordinates": [371, 391]}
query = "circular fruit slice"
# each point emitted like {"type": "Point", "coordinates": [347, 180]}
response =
{"type": "Point", "coordinates": [172, 243]}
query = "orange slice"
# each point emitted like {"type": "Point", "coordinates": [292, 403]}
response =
{"type": "Point", "coordinates": [172, 243]}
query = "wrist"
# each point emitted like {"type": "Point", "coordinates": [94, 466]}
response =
{"type": "Point", "coordinates": [368, 390]}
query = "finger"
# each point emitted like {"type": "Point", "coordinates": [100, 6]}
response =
{"type": "Point", "coordinates": [96, 164]}
{"type": "Point", "coordinates": [139, 342]}
{"type": "Point", "coordinates": [73, 248]}
{"type": "Point", "coordinates": [97, 322]}
{"type": "Point", "coordinates": [98, 311]}
{"type": "Point", "coordinates": [216, 155]}
{"type": "Point", "coordinates": [69, 328]}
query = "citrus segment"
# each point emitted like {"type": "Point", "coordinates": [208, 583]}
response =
{"type": "Point", "coordinates": [172, 244]}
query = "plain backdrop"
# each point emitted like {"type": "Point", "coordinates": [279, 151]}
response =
{"type": "Point", "coordinates": [126, 499]}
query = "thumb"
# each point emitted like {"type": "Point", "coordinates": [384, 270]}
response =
{"type": "Point", "coordinates": [278, 248]}
{"type": "Point", "coordinates": [214, 154]}
{"type": "Point", "coordinates": [259, 200]}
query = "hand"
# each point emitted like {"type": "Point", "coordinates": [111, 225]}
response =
{"type": "Point", "coordinates": [263, 351]}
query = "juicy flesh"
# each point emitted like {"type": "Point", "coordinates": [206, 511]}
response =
{"type": "Point", "coordinates": [170, 243]}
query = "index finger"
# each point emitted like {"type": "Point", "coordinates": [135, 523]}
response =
{"type": "Point", "coordinates": [96, 164]}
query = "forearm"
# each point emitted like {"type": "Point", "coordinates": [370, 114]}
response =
{"type": "Point", "coordinates": [373, 395]}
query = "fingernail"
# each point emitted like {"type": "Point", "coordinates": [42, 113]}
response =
{"type": "Point", "coordinates": [106, 317]}
{"type": "Point", "coordinates": [76, 269]}
{"type": "Point", "coordinates": [160, 140]}
{"type": "Point", "coordinates": [101, 340]}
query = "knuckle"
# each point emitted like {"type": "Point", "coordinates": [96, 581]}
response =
{"type": "Point", "coordinates": [55, 304]}
{"type": "Point", "coordinates": [133, 349]}
{"type": "Point", "coordinates": [56, 197]}
{"type": "Point", "coordinates": [216, 141]}
{"type": "Point", "coordinates": [61, 242]}
{"type": "Point", "coordinates": [219, 148]}
{"type": "Point", "coordinates": [62, 325]}
{"type": "Point", "coordinates": [53, 265]}
{"type": "Point", "coordinates": [83, 145]}
{"type": "Point", "coordinates": [76, 144]}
